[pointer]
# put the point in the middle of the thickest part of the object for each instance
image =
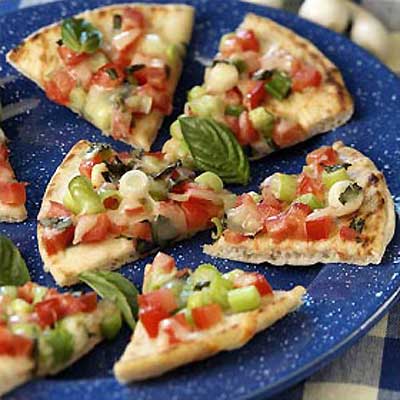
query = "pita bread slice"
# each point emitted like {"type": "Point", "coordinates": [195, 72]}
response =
{"type": "Point", "coordinates": [309, 95]}
{"type": "Point", "coordinates": [119, 248]}
{"type": "Point", "coordinates": [371, 226]}
{"type": "Point", "coordinates": [146, 358]}
{"type": "Point", "coordinates": [10, 212]}
{"type": "Point", "coordinates": [37, 58]}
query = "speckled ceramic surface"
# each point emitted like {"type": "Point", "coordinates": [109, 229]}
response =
{"type": "Point", "coordinates": [343, 301]}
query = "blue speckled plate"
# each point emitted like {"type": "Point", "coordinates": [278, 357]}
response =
{"type": "Point", "coordinates": [343, 301]}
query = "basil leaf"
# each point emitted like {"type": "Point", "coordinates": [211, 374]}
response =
{"type": "Point", "coordinates": [13, 270]}
{"type": "Point", "coordinates": [125, 286]}
{"type": "Point", "coordinates": [110, 291]}
{"type": "Point", "coordinates": [80, 36]}
{"type": "Point", "coordinates": [357, 224]}
{"type": "Point", "coordinates": [336, 167]}
{"type": "Point", "coordinates": [214, 148]}
{"type": "Point", "coordinates": [350, 193]}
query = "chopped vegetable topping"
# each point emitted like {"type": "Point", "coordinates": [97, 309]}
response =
{"type": "Point", "coordinates": [357, 224]}
{"type": "Point", "coordinates": [117, 21]}
{"type": "Point", "coordinates": [279, 85]}
{"type": "Point", "coordinates": [350, 193]}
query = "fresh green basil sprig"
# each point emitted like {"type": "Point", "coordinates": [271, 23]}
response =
{"type": "Point", "coordinates": [80, 36]}
{"type": "Point", "coordinates": [214, 148]}
{"type": "Point", "coordinates": [13, 270]}
{"type": "Point", "coordinates": [114, 287]}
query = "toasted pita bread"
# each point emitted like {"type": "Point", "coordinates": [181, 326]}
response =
{"type": "Point", "coordinates": [377, 210]}
{"type": "Point", "coordinates": [146, 358]}
{"type": "Point", "coordinates": [8, 212]}
{"type": "Point", "coordinates": [37, 55]}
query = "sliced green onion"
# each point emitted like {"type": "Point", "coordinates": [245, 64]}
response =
{"type": "Point", "coordinates": [234, 110]}
{"type": "Point", "coordinates": [244, 299]}
{"type": "Point", "coordinates": [38, 293]}
{"type": "Point", "coordinates": [204, 273]}
{"type": "Point", "coordinates": [29, 330]}
{"type": "Point", "coordinates": [210, 180]}
{"type": "Point", "coordinates": [196, 92]}
{"type": "Point", "coordinates": [279, 85]}
{"type": "Point", "coordinates": [110, 194]}
{"type": "Point", "coordinates": [199, 299]}
{"type": "Point", "coordinates": [219, 288]}
{"type": "Point", "coordinates": [283, 186]}
{"type": "Point", "coordinates": [262, 121]}
{"type": "Point", "coordinates": [310, 200]}
{"type": "Point", "coordinates": [330, 178]}
{"type": "Point", "coordinates": [111, 324]}
{"type": "Point", "coordinates": [218, 224]}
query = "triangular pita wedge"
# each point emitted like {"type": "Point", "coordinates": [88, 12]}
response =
{"type": "Point", "coordinates": [368, 247]}
{"type": "Point", "coordinates": [303, 113]}
{"type": "Point", "coordinates": [10, 212]}
{"type": "Point", "coordinates": [37, 58]}
{"type": "Point", "coordinates": [146, 358]}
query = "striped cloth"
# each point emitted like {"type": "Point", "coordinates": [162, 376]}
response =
{"type": "Point", "coordinates": [370, 369]}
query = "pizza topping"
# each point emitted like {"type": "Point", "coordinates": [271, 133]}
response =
{"type": "Point", "coordinates": [80, 35]}
{"type": "Point", "coordinates": [279, 85]}
{"type": "Point", "coordinates": [221, 78]}
{"type": "Point", "coordinates": [345, 197]}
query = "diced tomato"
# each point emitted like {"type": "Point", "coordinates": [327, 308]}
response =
{"type": "Point", "coordinates": [132, 18]}
{"type": "Point", "coordinates": [141, 230]}
{"type": "Point", "coordinates": [100, 230]}
{"type": "Point", "coordinates": [270, 200]}
{"type": "Point", "coordinates": [325, 155]}
{"type": "Point", "coordinates": [307, 184]}
{"type": "Point", "coordinates": [163, 263]}
{"type": "Point", "coordinates": [244, 198]}
{"type": "Point", "coordinates": [175, 325]}
{"type": "Point", "coordinates": [12, 193]}
{"type": "Point", "coordinates": [163, 298]}
{"type": "Point", "coordinates": [86, 166]}
{"type": "Point", "coordinates": [198, 213]}
{"type": "Point", "coordinates": [234, 237]}
{"type": "Point", "coordinates": [111, 203]}
{"type": "Point", "coordinates": [151, 317]}
{"type": "Point", "coordinates": [207, 316]}
{"type": "Point", "coordinates": [233, 124]}
{"type": "Point", "coordinates": [255, 279]}
{"type": "Point", "coordinates": [248, 40]}
{"type": "Point", "coordinates": [304, 76]}
{"type": "Point", "coordinates": [71, 57]}
{"type": "Point", "coordinates": [161, 100]}
{"type": "Point", "coordinates": [57, 209]}
{"type": "Point", "coordinates": [319, 228]}
{"type": "Point", "coordinates": [233, 97]}
{"type": "Point", "coordinates": [289, 224]}
{"type": "Point", "coordinates": [57, 240]}
{"type": "Point", "coordinates": [4, 152]}
{"type": "Point", "coordinates": [109, 76]}
{"type": "Point", "coordinates": [25, 292]}
{"type": "Point", "coordinates": [347, 233]}
{"type": "Point", "coordinates": [255, 94]}
{"type": "Point", "coordinates": [14, 345]}
{"type": "Point", "coordinates": [121, 123]}
{"type": "Point", "coordinates": [267, 210]}
{"type": "Point", "coordinates": [230, 46]}
{"type": "Point", "coordinates": [135, 211]}
{"type": "Point", "coordinates": [154, 76]}
{"type": "Point", "coordinates": [287, 133]}
{"type": "Point", "coordinates": [59, 87]}
{"type": "Point", "coordinates": [87, 302]}
{"type": "Point", "coordinates": [247, 133]}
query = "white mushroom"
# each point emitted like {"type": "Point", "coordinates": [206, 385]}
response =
{"type": "Point", "coordinates": [333, 14]}
{"type": "Point", "coordinates": [368, 32]}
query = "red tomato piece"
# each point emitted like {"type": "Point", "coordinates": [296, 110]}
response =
{"type": "Point", "coordinates": [59, 87]}
{"type": "Point", "coordinates": [347, 233]}
{"type": "Point", "coordinates": [55, 240]}
{"type": "Point", "coordinates": [230, 46]}
{"type": "Point", "coordinates": [255, 94]}
{"type": "Point", "coordinates": [233, 97]}
{"type": "Point", "coordinates": [270, 200]}
{"type": "Point", "coordinates": [234, 237]}
{"type": "Point", "coordinates": [162, 298]}
{"type": "Point", "coordinates": [287, 133]}
{"type": "Point", "coordinates": [71, 57]}
{"type": "Point", "coordinates": [248, 40]}
{"type": "Point", "coordinates": [267, 210]}
{"type": "Point", "coordinates": [207, 316]}
{"type": "Point", "coordinates": [305, 76]}
{"type": "Point", "coordinates": [256, 279]}
{"type": "Point", "coordinates": [12, 193]}
{"type": "Point", "coordinates": [86, 166]}
{"type": "Point", "coordinates": [307, 184]}
{"type": "Point", "coordinates": [161, 100]}
{"type": "Point", "coordinates": [323, 156]}
{"type": "Point", "coordinates": [151, 317]}
{"type": "Point", "coordinates": [319, 228]}
{"type": "Point", "coordinates": [109, 76]}
{"type": "Point", "coordinates": [4, 152]}
{"type": "Point", "coordinates": [25, 292]}
{"type": "Point", "coordinates": [163, 263]}
{"type": "Point", "coordinates": [233, 125]}
{"type": "Point", "coordinates": [198, 213]}
{"type": "Point", "coordinates": [141, 230]}
{"type": "Point", "coordinates": [154, 76]}
{"type": "Point", "coordinates": [49, 311]}
{"type": "Point", "coordinates": [57, 210]}
{"type": "Point", "coordinates": [247, 133]}
{"type": "Point", "coordinates": [132, 18]}
{"type": "Point", "coordinates": [14, 345]}
{"type": "Point", "coordinates": [100, 231]}
{"type": "Point", "coordinates": [87, 302]}
{"type": "Point", "coordinates": [111, 203]}
{"type": "Point", "coordinates": [121, 123]}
